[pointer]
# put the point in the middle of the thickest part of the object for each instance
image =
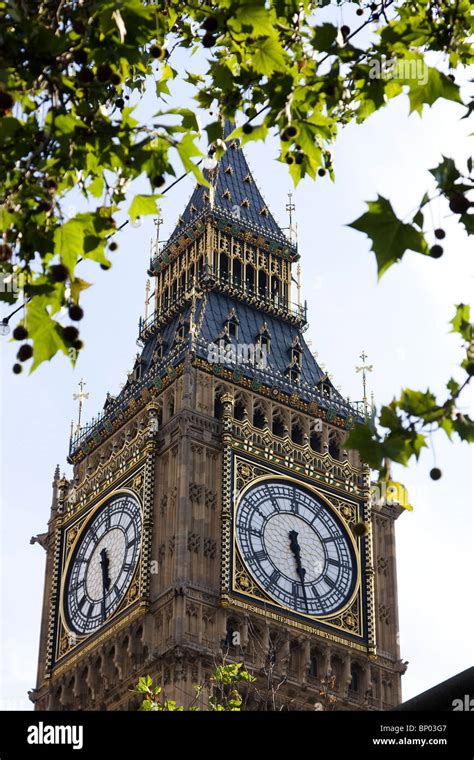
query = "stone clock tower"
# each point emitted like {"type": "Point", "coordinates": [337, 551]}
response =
{"type": "Point", "coordinates": [213, 512]}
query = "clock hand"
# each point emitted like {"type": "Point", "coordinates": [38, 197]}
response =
{"type": "Point", "coordinates": [104, 564]}
{"type": "Point", "coordinates": [295, 548]}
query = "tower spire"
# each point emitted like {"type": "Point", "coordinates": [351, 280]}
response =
{"type": "Point", "coordinates": [290, 207]}
{"type": "Point", "coordinates": [364, 369]}
{"type": "Point", "coordinates": [80, 397]}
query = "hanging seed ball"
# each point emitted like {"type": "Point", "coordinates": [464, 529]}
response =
{"type": "Point", "coordinates": [78, 26]}
{"type": "Point", "coordinates": [17, 368]}
{"type": "Point", "coordinates": [289, 159]}
{"type": "Point", "coordinates": [119, 103]}
{"type": "Point", "coordinates": [85, 75]}
{"type": "Point", "coordinates": [436, 251]}
{"type": "Point", "coordinates": [115, 79]}
{"type": "Point", "coordinates": [77, 344]}
{"type": "Point", "coordinates": [158, 180]}
{"type": "Point", "coordinates": [345, 31]}
{"type": "Point", "coordinates": [373, 7]}
{"type": "Point", "coordinates": [299, 158]}
{"type": "Point", "coordinates": [439, 234]}
{"type": "Point", "coordinates": [208, 40]}
{"type": "Point", "coordinates": [210, 24]}
{"type": "Point", "coordinates": [157, 52]}
{"type": "Point", "coordinates": [292, 131]}
{"type": "Point", "coordinates": [5, 252]}
{"type": "Point", "coordinates": [76, 312]}
{"type": "Point", "coordinates": [20, 333]}
{"type": "Point", "coordinates": [435, 473]}
{"type": "Point", "coordinates": [459, 204]}
{"type": "Point", "coordinates": [360, 12]}
{"type": "Point", "coordinates": [25, 352]}
{"type": "Point", "coordinates": [104, 72]}
{"type": "Point", "coordinates": [80, 56]}
{"type": "Point", "coordinates": [113, 246]}
{"type": "Point", "coordinates": [452, 77]}
{"type": "Point", "coordinates": [59, 273]}
{"type": "Point", "coordinates": [360, 529]}
{"type": "Point", "coordinates": [247, 129]}
{"type": "Point", "coordinates": [251, 111]}
{"type": "Point", "coordinates": [284, 137]}
{"type": "Point", "coordinates": [6, 101]}
{"type": "Point", "coordinates": [105, 266]}
{"type": "Point", "coordinates": [321, 172]}
{"type": "Point", "coordinates": [70, 333]}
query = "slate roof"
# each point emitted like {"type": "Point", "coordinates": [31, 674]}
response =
{"type": "Point", "coordinates": [218, 307]}
{"type": "Point", "coordinates": [236, 196]}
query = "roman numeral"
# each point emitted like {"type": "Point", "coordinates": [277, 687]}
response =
{"type": "Point", "coordinates": [334, 562]}
{"type": "Point", "coordinates": [261, 554]}
{"type": "Point", "coordinates": [274, 578]}
{"type": "Point", "coordinates": [295, 507]}
{"type": "Point", "coordinates": [295, 589]}
{"type": "Point", "coordinates": [329, 581]}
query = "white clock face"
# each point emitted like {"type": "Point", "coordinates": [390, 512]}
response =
{"type": "Point", "coordinates": [296, 548]}
{"type": "Point", "coordinates": [103, 564]}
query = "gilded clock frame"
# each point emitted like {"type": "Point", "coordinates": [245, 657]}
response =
{"type": "Point", "coordinates": [66, 641]}
{"type": "Point", "coordinates": [353, 620]}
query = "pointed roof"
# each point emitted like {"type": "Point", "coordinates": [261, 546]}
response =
{"type": "Point", "coordinates": [236, 197]}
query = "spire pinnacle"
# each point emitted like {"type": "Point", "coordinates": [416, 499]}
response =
{"type": "Point", "coordinates": [80, 397]}
{"type": "Point", "coordinates": [364, 369]}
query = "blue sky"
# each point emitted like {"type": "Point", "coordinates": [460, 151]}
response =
{"type": "Point", "coordinates": [401, 322]}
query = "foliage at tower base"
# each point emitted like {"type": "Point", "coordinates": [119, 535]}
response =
{"type": "Point", "coordinates": [73, 73]}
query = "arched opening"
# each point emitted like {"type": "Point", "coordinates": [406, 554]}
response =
{"type": "Point", "coordinates": [250, 278]}
{"type": "Point", "coordinates": [313, 670]}
{"type": "Point", "coordinates": [297, 432]}
{"type": "Point", "coordinates": [218, 407]}
{"type": "Point", "coordinates": [278, 425]}
{"type": "Point", "coordinates": [316, 442]}
{"type": "Point", "coordinates": [275, 289]}
{"type": "Point", "coordinates": [262, 283]}
{"type": "Point", "coordinates": [239, 410]}
{"type": "Point", "coordinates": [258, 418]}
{"type": "Point", "coordinates": [355, 684]}
{"type": "Point", "coordinates": [224, 265]}
{"type": "Point", "coordinates": [237, 273]}
{"type": "Point", "coordinates": [334, 445]}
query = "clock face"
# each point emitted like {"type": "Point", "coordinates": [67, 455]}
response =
{"type": "Point", "coordinates": [103, 564]}
{"type": "Point", "coordinates": [296, 548]}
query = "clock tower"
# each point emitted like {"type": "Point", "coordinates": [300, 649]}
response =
{"type": "Point", "coordinates": [213, 513]}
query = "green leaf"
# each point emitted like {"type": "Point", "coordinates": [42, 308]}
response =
{"type": "Point", "coordinates": [437, 85]}
{"type": "Point", "coordinates": [269, 57]}
{"type": "Point", "coordinates": [255, 15]}
{"type": "Point", "coordinates": [68, 242]}
{"type": "Point", "coordinates": [445, 174]}
{"type": "Point", "coordinates": [390, 236]}
{"type": "Point", "coordinates": [44, 331]}
{"type": "Point", "coordinates": [362, 439]}
{"type": "Point", "coordinates": [461, 321]}
{"type": "Point", "coordinates": [142, 205]}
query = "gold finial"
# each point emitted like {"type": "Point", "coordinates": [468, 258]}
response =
{"type": "Point", "coordinates": [290, 207]}
{"type": "Point", "coordinates": [81, 397]}
{"type": "Point", "coordinates": [364, 368]}
{"type": "Point", "coordinates": [147, 298]}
